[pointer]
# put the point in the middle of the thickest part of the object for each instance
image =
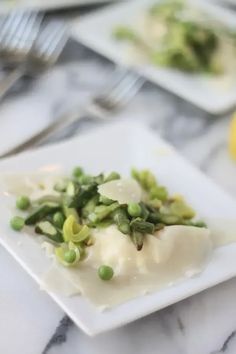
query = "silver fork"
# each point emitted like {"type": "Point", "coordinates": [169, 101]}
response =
{"type": "Point", "coordinates": [49, 45]}
{"type": "Point", "coordinates": [42, 54]}
{"type": "Point", "coordinates": [18, 32]}
{"type": "Point", "coordinates": [123, 87]}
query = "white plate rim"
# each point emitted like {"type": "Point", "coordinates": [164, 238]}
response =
{"type": "Point", "coordinates": [49, 6]}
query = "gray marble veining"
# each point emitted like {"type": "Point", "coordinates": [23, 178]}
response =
{"type": "Point", "coordinates": [202, 324]}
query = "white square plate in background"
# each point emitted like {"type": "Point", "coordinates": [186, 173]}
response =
{"type": "Point", "coordinates": [95, 31]}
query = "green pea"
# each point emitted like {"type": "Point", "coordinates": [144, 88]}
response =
{"type": "Point", "coordinates": [17, 223]}
{"type": "Point", "coordinates": [77, 172]}
{"type": "Point", "coordinates": [58, 219]}
{"type": "Point", "coordinates": [22, 202]}
{"type": "Point", "coordinates": [105, 272]}
{"type": "Point", "coordinates": [69, 256]}
{"type": "Point", "coordinates": [134, 209]}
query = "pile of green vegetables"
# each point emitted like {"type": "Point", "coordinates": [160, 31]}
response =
{"type": "Point", "coordinates": [186, 44]}
{"type": "Point", "coordinates": [67, 217]}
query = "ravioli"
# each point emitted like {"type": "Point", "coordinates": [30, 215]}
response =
{"type": "Point", "coordinates": [167, 257]}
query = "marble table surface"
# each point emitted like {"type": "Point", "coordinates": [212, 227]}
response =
{"type": "Point", "coordinates": [30, 323]}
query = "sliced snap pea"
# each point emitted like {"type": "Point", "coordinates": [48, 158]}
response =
{"type": "Point", "coordinates": [145, 211]}
{"type": "Point", "coordinates": [170, 220]}
{"type": "Point", "coordinates": [137, 238]}
{"type": "Point", "coordinates": [142, 226]}
{"type": "Point", "coordinates": [121, 220]}
{"type": "Point", "coordinates": [83, 195]}
{"type": "Point", "coordinates": [104, 200]}
{"type": "Point", "coordinates": [90, 206]}
{"type": "Point", "coordinates": [58, 219]}
{"type": "Point", "coordinates": [102, 211]}
{"type": "Point", "coordinates": [57, 199]}
{"type": "Point", "coordinates": [41, 212]}
{"type": "Point", "coordinates": [49, 230]}
{"type": "Point", "coordinates": [112, 176]}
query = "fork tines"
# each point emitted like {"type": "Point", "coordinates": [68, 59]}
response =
{"type": "Point", "coordinates": [51, 41]}
{"type": "Point", "coordinates": [18, 31]}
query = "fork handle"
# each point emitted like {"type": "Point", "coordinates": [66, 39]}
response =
{"type": "Point", "coordinates": [10, 80]}
{"type": "Point", "coordinates": [57, 126]}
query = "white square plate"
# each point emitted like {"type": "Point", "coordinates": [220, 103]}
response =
{"type": "Point", "coordinates": [95, 31]}
{"type": "Point", "coordinates": [45, 5]}
{"type": "Point", "coordinates": [119, 147]}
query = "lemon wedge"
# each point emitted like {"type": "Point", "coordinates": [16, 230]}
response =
{"type": "Point", "coordinates": [232, 137]}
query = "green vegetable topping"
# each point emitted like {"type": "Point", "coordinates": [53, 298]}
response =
{"type": "Point", "coordinates": [105, 272]}
{"type": "Point", "coordinates": [137, 238]}
{"type": "Point", "coordinates": [134, 209]}
{"type": "Point", "coordinates": [41, 212]}
{"type": "Point", "coordinates": [122, 221]}
{"type": "Point", "coordinates": [72, 189]}
{"type": "Point", "coordinates": [142, 226]}
{"type": "Point", "coordinates": [47, 229]}
{"type": "Point", "coordinates": [17, 223]}
{"type": "Point", "coordinates": [200, 224]}
{"type": "Point", "coordinates": [61, 185]}
{"type": "Point", "coordinates": [181, 209]}
{"type": "Point", "coordinates": [78, 172]}
{"type": "Point", "coordinates": [112, 176]}
{"type": "Point", "coordinates": [124, 33]}
{"type": "Point", "coordinates": [70, 256]}
{"type": "Point", "coordinates": [182, 36]}
{"type": "Point", "coordinates": [67, 218]}
{"type": "Point", "coordinates": [23, 202]}
{"type": "Point", "coordinates": [72, 231]}
{"type": "Point", "coordinates": [85, 179]}
{"type": "Point", "coordinates": [105, 200]}
{"type": "Point", "coordinates": [102, 211]}
{"type": "Point", "coordinates": [58, 219]}
{"type": "Point", "coordinates": [145, 178]}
